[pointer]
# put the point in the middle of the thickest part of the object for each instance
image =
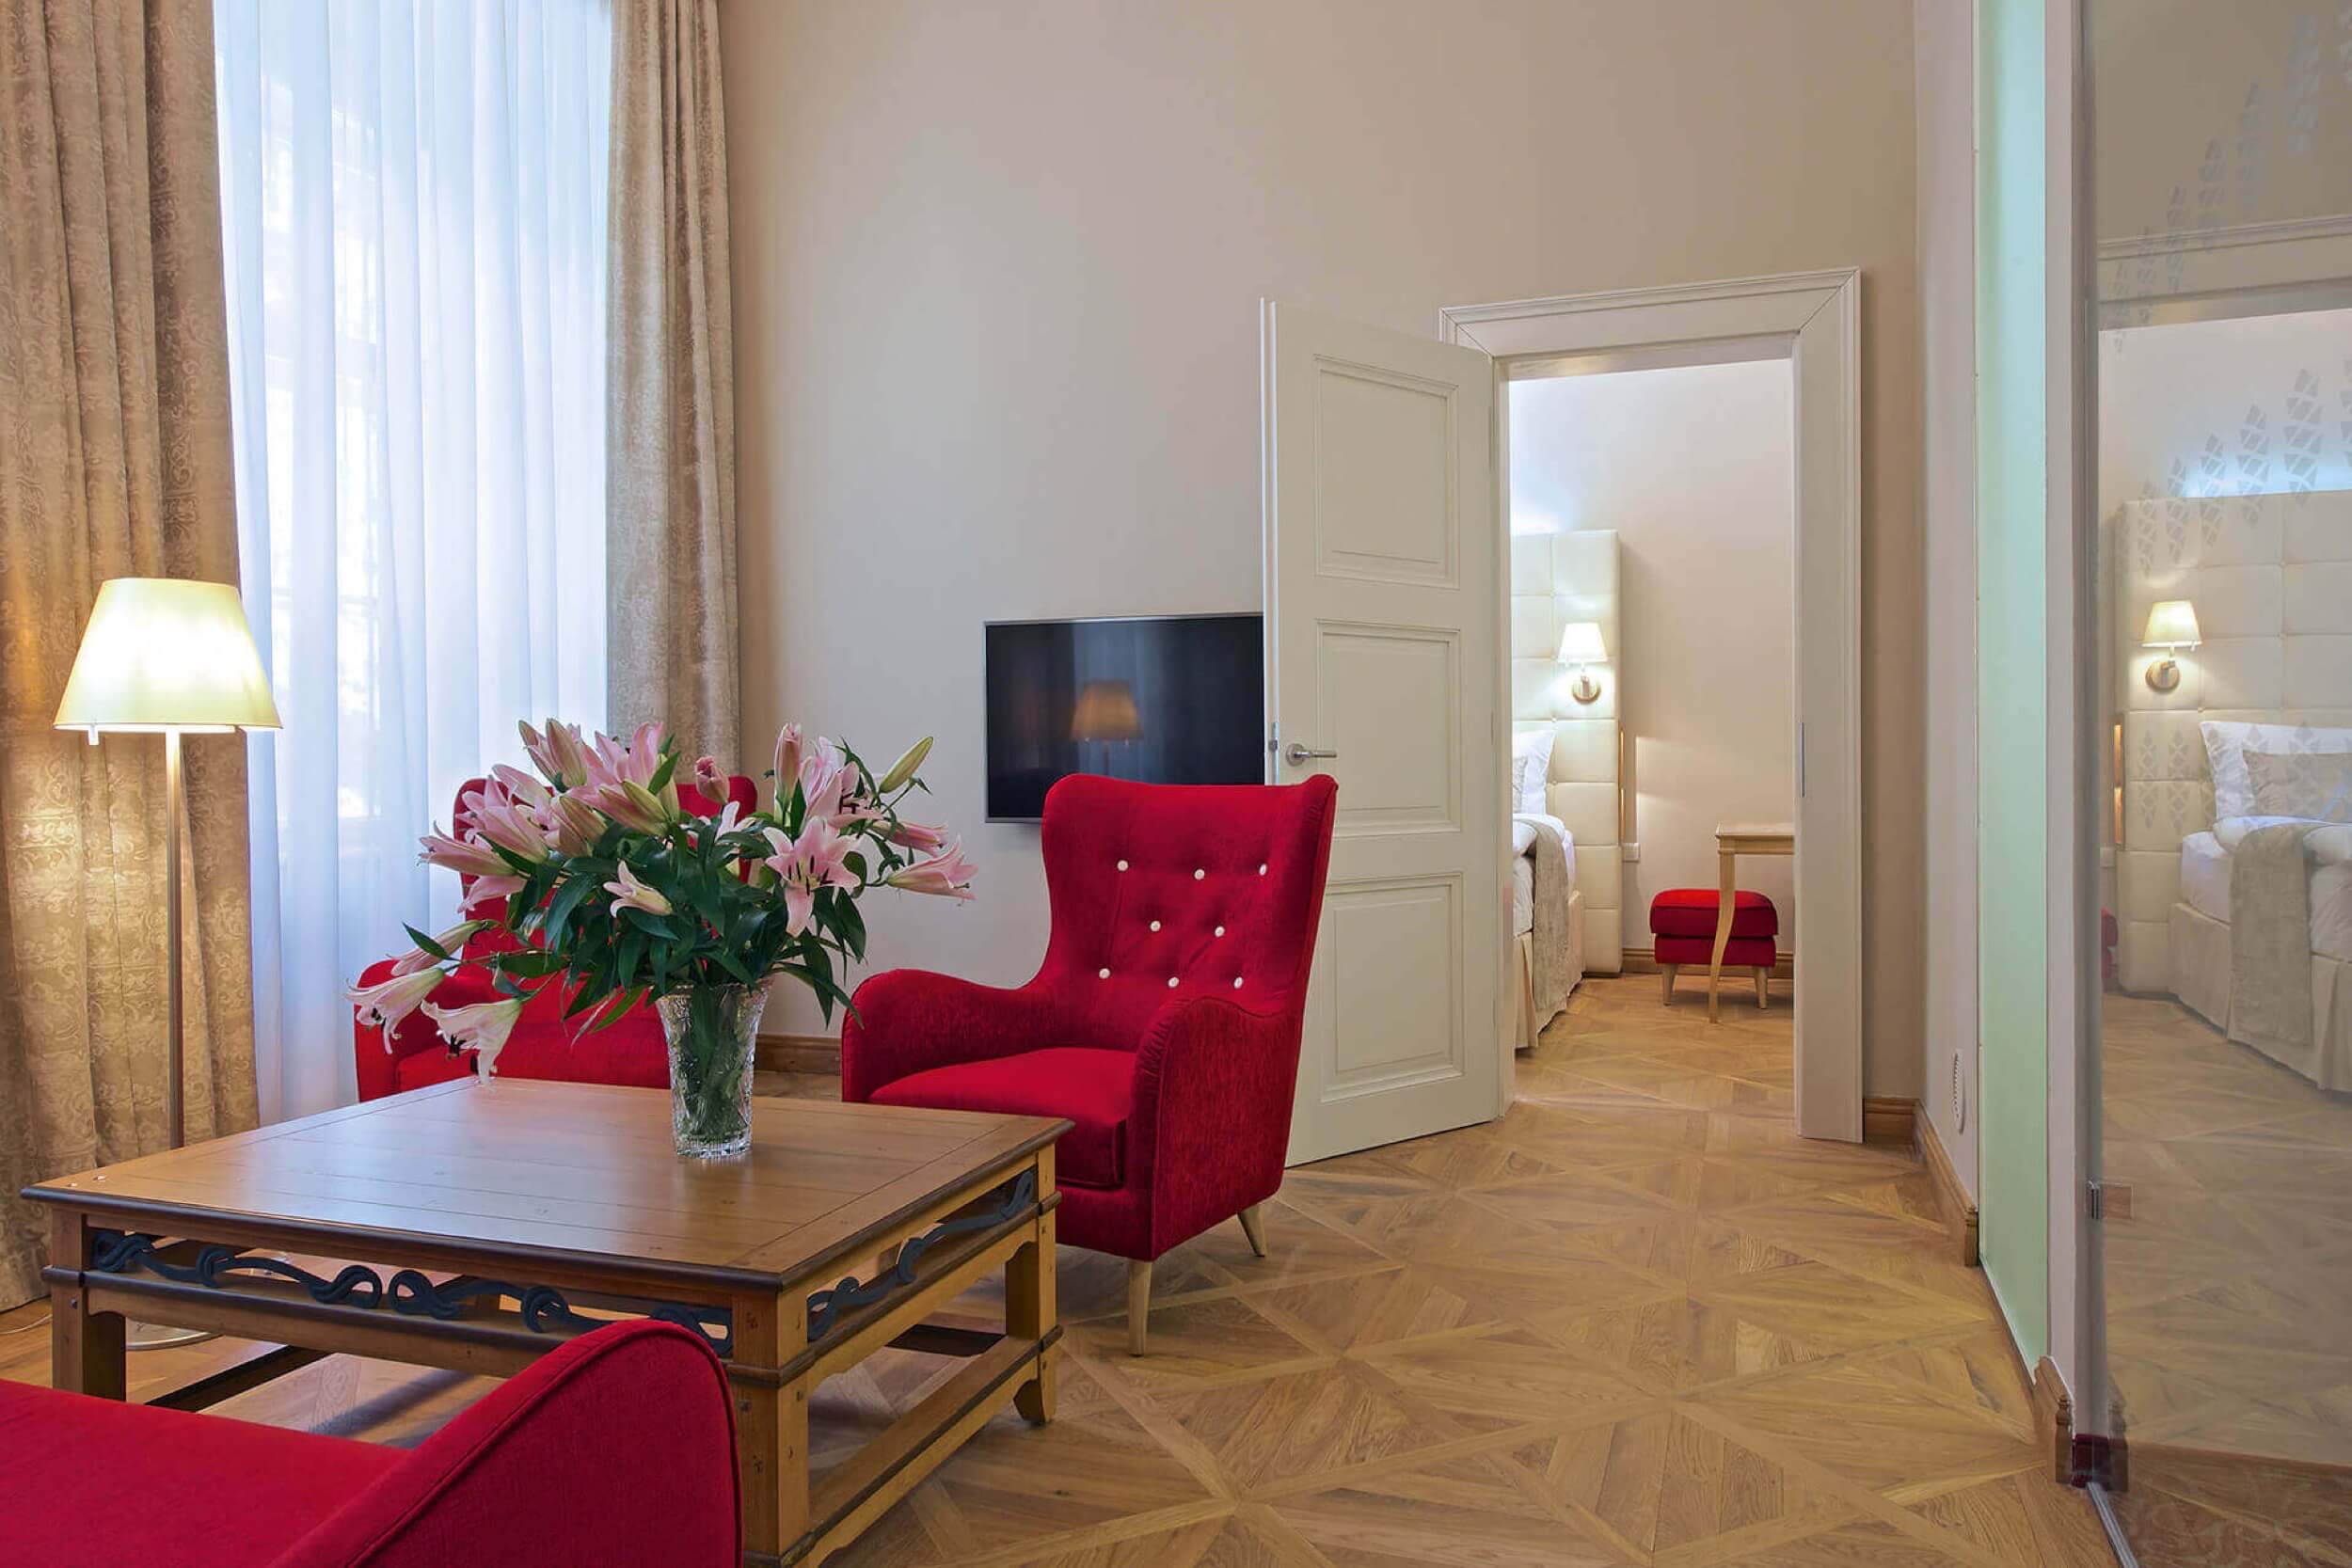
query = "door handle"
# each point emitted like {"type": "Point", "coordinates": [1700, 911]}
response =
{"type": "Point", "coordinates": [1298, 754]}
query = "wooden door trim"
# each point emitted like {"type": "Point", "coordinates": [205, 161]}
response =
{"type": "Point", "coordinates": [1812, 319]}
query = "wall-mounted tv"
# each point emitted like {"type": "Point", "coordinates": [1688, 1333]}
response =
{"type": "Point", "coordinates": [1164, 699]}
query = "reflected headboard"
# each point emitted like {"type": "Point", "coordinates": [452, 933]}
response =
{"type": "Point", "coordinates": [1556, 579]}
{"type": "Point", "coordinates": [2271, 578]}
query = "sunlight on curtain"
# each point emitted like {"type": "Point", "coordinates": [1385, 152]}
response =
{"type": "Point", "coordinates": [413, 199]}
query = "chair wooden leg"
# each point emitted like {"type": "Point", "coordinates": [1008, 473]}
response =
{"type": "Point", "coordinates": [1138, 1304]}
{"type": "Point", "coordinates": [1763, 990]}
{"type": "Point", "coordinates": [1253, 1226]}
{"type": "Point", "coordinates": [1666, 984]}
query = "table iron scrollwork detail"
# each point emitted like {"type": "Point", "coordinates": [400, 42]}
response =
{"type": "Point", "coordinates": [826, 1306]}
{"type": "Point", "coordinates": [542, 1309]}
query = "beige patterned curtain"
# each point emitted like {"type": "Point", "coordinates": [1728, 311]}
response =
{"type": "Point", "coordinates": [114, 461]}
{"type": "Point", "coordinates": [670, 460]}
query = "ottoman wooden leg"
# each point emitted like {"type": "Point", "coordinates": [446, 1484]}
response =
{"type": "Point", "coordinates": [1666, 991]}
{"type": "Point", "coordinates": [1763, 990]}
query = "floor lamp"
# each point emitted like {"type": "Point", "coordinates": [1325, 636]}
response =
{"type": "Point", "coordinates": [170, 656]}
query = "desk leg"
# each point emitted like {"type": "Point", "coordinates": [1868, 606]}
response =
{"type": "Point", "coordinates": [84, 1347]}
{"type": "Point", "coordinates": [772, 1425]}
{"type": "Point", "coordinates": [1722, 930]}
{"type": "Point", "coordinates": [1030, 1304]}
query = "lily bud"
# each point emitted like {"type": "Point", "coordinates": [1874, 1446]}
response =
{"type": "Point", "coordinates": [903, 769]}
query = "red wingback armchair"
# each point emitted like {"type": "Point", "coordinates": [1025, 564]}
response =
{"type": "Point", "coordinates": [545, 1043]}
{"type": "Point", "coordinates": [549, 1466]}
{"type": "Point", "coordinates": [1164, 1023]}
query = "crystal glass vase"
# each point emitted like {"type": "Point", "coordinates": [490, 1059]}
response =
{"type": "Point", "coordinates": [711, 1030]}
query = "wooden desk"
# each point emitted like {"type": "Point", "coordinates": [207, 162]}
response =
{"type": "Point", "coordinates": [485, 1225]}
{"type": "Point", "coordinates": [1732, 840]}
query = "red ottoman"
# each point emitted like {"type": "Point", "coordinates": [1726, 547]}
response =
{"type": "Point", "coordinates": [1683, 926]}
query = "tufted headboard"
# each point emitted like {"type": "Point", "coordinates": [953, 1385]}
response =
{"type": "Point", "coordinates": [2271, 578]}
{"type": "Point", "coordinates": [1556, 579]}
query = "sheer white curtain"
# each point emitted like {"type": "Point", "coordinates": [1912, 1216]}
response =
{"type": "Point", "coordinates": [414, 197]}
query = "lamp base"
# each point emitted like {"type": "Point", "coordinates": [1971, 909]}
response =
{"type": "Point", "coordinates": [2163, 675]}
{"type": "Point", "coordinates": [1586, 689]}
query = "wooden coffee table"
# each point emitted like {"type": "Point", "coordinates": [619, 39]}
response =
{"type": "Point", "coordinates": [477, 1226]}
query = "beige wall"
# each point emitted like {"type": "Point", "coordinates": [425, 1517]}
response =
{"type": "Point", "coordinates": [1693, 468]}
{"type": "Point", "coordinates": [996, 275]}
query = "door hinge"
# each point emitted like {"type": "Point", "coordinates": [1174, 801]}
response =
{"type": "Point", "coordinates": [1800, 759]}
{"type": "Point", "coordinates": [2107, 1201]}
{"type": "Point", "coordinates": [1272, 738]}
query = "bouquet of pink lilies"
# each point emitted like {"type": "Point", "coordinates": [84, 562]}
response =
{"type": "Point", "coordinates": [626, 895]}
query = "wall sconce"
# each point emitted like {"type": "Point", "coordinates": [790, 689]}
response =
{"type": "Point", "coordinates": [1581, 645]}
{"type": "Point", "coordinates": [2172, 626]}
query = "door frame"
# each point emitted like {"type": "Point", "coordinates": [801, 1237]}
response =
{"type": "Point", "coordinates": [1812, 319]}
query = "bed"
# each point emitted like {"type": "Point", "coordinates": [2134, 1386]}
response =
{"type": "Point", "coordinates": [1547, 918]}
{"type": "Point", "coordinates": [2204, 960]}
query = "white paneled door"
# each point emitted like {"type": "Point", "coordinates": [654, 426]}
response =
{"type": "Point", "coordinates": [1383, 611]}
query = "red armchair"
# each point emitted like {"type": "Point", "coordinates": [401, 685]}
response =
{"type": "Point", "coordinates": [550, 1466]}
{"type": "Point", "coordinates": [1164, 1023]}
{"type": "Point", "coordinates": [545, 1043]}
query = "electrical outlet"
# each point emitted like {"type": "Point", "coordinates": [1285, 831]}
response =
{"type": "Point", "coordinates": [1633, 851]}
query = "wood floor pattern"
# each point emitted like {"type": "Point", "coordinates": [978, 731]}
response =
{"type": "Point", "coordinates": [1636, 1321]}
{"type": "Point", "coordinates": [2230, 1341]}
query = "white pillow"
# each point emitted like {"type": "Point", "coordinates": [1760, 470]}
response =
{"type": "Point", "coordinates": [2314, 786]}
{"type": "Point", "coordinates": [1531, 759]}
{"type": "Point", "coordinates": [2225, 744]}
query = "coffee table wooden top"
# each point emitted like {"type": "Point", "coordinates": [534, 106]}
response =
{"type": "Point", "coordinates": [576, 1173]}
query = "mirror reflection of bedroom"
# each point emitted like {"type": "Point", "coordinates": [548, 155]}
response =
{"type": "Point", "coordinates": [1651, 611]}
{"type": "Point", "coordinates": [2225, 554]}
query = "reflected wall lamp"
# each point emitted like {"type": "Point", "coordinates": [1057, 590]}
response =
{"type": "Point", "coordinates": [2172, 627]}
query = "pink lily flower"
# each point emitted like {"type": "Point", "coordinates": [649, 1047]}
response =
{"type": "Point", "coordinates": [919, 836]}
{"type": "Point", "coordinates": [829, 784]}
{"type": "Point", "coordinates": [387, 1001]}
{"type": "Point", "coordinates": [558, 753]}
{"type": "Point", "coordinates": [519, 784]}
{"type": "Point", "coordinates": [470, 856]}
{"type": "Point", "coordinates": [629, 803]}
{"type": "Point", "coordinates": [630, 894]}
{"type": "Point", "coordinates": [818, 859]}
{"type": "Point", "coordinates": [506, 822]}
{"type": "Point", "coordinates": [787, 763]}
{"type": "Point", "coordinates": [483, 1027]}
{"type": "Point", "coordinates": [571, 823]}
{"type": "Point", "coordinates": [709, 780]}
{"type": "Point", "coordinates": [487, 890]}
{"type": "Point", "coordinates": [448, 942]}
{"type": "Point", "coordinates": [945, 875]}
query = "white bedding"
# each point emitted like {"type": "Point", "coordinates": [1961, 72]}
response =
{"type": "Point", "coordinates": [1522, 894]}
{"type": "Point", "coordinates": [1523, 869]}
{"type": "Point", "coordinates": [2205, 883]}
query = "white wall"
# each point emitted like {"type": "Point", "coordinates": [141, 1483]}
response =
{"type": "Point", "coordinates": [1694, 469]}
{"type": "Point", "coordinates": [2232, 407]}
{"type": "Point", "coordinates": [1946, 40]}
{"type": "Point", "coordinates": [996, 275]}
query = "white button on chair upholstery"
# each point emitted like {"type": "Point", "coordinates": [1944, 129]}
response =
{"type": "Point", "coordinates": [1122, 866]}
{"type": "Point", "coordinates": [1197, 874]}
{"type": "Point", "coordinates": [1220, 931]}
{"type": "Point", "coordinates": [1237, 982]}
{"type": "Point", "coordinates": [1155, 925]}
{"type": "Point", "coordinates": [1171, 980]}
{"type": "Point", "coordinates": [1101, 973]}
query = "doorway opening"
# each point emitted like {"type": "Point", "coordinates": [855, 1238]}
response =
{"type": "Point", "coordinates": [1795, 339]}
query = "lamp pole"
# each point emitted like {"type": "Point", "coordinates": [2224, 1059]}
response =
{"type": "Point", "coordinates": [175, 1099]}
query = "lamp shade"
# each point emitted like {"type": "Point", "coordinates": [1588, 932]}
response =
{"type": "Point", "coordinates": [2172, 624]}
{"type": "Point", "coordinates": [1581, 643]}
{"type": "Point", "coordinates": [1106, 711]}
{"type": "Point", "coordinates": [166, 654]}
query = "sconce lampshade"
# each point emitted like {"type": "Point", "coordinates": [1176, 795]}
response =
{"type": "Point", "coordinates": [2172, 624]}
{"type": "Point", "coordinates": [1106, 711]}
{"type": "Point", "coordinates": [166, 654]}
{"type": "Point", "coordinates": [1581, 643]}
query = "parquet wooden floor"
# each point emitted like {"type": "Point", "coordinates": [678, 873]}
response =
{"type": "Point", "coordinates": [1635, 1321]}
{"type": "Point", "coordinates": [2229, 1337]}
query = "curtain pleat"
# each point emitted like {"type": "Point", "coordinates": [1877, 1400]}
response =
{"type": "Point", "coordinates": [669, 454]}
{"type": "Point", "coordinates": [115, 460]}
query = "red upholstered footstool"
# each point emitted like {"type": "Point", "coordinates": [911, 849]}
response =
{"type": "Point", "coordinates": [1683, 926]}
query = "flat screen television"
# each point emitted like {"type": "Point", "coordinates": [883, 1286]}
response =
{"type": "Point", "coordinates": [1163, 699]}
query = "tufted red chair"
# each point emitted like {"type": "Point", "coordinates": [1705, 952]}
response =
{"type": "Point", "coordinates": [1165, 1021]}
{"type": "Point", "coordinates": [545, 1043]}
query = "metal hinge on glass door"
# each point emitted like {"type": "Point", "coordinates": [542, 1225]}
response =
{"type": "Point", "coordinates": [2107, 1201]}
